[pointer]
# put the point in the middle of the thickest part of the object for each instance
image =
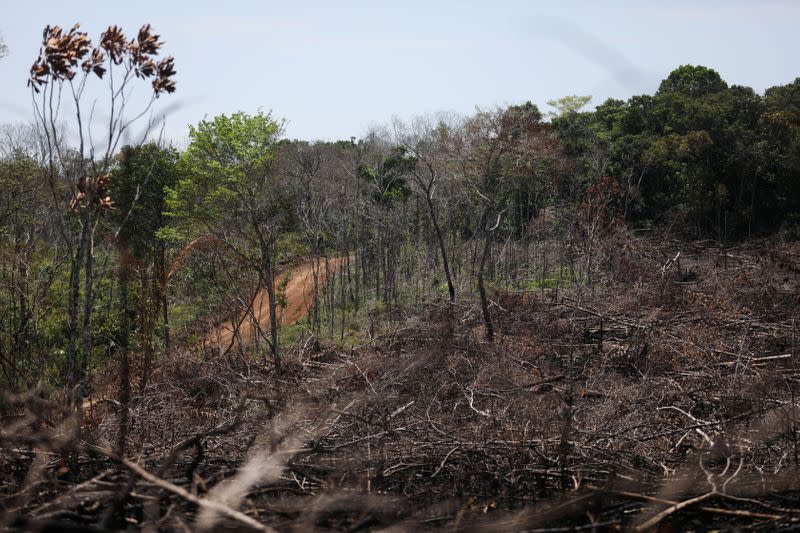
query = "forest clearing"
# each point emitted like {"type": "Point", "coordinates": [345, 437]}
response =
{"type": "Point", "coordinates": [607, 407]}
{"type": "Point", "coordinates": [487, 320]}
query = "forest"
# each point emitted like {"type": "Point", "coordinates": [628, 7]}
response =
{"type": "Point", "coordinates": [515, 319]}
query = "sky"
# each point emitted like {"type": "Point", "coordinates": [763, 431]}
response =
{"type": "Point", "coordinates": [333, 69]}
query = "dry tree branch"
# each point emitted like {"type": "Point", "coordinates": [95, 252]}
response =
{"type": "Point", "coordinates": [206, 504]}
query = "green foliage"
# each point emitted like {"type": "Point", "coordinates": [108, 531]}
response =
{"type": "Point", "coordinates": [721, 160]}
{"type": "Point", "coordinates": [567, 105]}
{"type": "Point", "coordinates": [224, 172]}
{"type": "Point", "coordinates": [388, 179]}
{"type": "Point", "coordinates": [290, 245]}
{"type": "Point", "coordinates": [692, 81]}
{"type": "Point", "coordinates": [21, 193]}
{"type": "Point", "coordinates": [138, 185]}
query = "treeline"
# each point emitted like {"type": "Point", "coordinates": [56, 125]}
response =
{"type": "Point", "coordinates": [714, 160]}
{"type": "Point", "coordinates": [107, 257]}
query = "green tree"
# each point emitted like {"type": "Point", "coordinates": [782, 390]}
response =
{"type": "Point", "coordinates": [24, 223]}
{"type": "Point", "coordinates": [692, 81]}
{"type": "Point", "coordinates": [228, 188]}
{"type": "Point", "coordinates": [138, 185]}
{"type": "Point", "coordinates": [567, 105]}
{"type": "Point", "coordinates": [386, 191]}
{"type": "Point", "coordinates": [777, 192]}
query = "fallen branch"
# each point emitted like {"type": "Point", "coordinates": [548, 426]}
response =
{"type": "Point", "coordinates": [183, 493]}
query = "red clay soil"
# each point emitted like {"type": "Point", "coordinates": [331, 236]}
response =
{"type": "Point", "coordinates": [299, 301]}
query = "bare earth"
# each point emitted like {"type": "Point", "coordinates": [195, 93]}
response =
{"type": "Point", "coordinates": [299, 301]}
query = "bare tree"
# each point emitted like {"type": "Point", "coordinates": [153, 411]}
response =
{"type": "Point", "coordinates": [429, 141]}
{"type": "Point", "coordinates": [304, 163]}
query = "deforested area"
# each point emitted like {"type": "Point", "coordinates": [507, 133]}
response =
{"type": "Point", "coordinates": [553, 315]}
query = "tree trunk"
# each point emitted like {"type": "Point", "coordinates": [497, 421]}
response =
{"type": "Point", "coordinates": [445, 263]}
{"type": "Point", "coordinates": [487, 318]}
{"type": "Point", "coordinates": [147, 318]}
{"type": "Point", "coordinates": [86, 333]}
{"type": "Point", "coordinates": [162, 276]}
{"type": "Point", "coordinates": [74, 295]}
{"type": "Point", "coordinates": [315, 266]}
{"type": "Point", "coordinates": [125, 367]}
{"type": "Point", "coordinates": [269, 281]}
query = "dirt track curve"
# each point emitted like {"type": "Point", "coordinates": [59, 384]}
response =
{"type": "Point", "coordinates": [299, 300]}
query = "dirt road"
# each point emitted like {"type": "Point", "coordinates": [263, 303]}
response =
{"type": "Point", "coordinates": [299, 300]}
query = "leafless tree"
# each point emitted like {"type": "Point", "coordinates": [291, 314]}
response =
{"type": "Point", "coordinates": [495, 146]}
{"type": "Point", "coordinates": [429, 140]}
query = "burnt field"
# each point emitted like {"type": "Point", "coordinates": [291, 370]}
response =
{"type": "Point", "coordinates": [663, 399]}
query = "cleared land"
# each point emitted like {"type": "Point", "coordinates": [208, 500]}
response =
{"type": "Point", "coordinates": [662, 397]}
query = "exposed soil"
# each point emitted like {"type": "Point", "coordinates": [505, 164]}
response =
{"type": "Point", "coordinates": [296, 303]}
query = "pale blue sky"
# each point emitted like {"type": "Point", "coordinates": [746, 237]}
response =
{"type": "Point", "coordinates": [333, 68]}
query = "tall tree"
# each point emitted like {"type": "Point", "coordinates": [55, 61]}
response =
{"type": "Point", "coordinates": [498, 145]}
{"type": "Point", "coordinates": [68, 63]}
{"type": "Point", "coordinates": [428, 141]}
{"type": "Point", "coordinates": [138, 185]}
{"type": "Point", "coordinates": [228, 188]}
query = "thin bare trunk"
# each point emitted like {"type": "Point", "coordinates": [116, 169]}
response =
{"type": "Point", "coordinates": [86, 333]}
{"type": "Point", "coordinates": [439, 237]}
{"type": "Point", "coordinates": [74, 295]}
{"type": "Point", "coordinates": [487, 247]}
{"type": "Point", "coordinates": [269, 281]}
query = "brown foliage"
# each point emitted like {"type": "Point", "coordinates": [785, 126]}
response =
{"type": "Point", "coordinates": [61, 53]}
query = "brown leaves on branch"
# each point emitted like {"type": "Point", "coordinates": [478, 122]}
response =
{"type": "Point", "coordinates": [95, 63]}
{"type": "Point", "coordinates": [92, 193]}
{"type": "Point", "coordinates": [61, 53]}
{"type": "Point", "coordinates": [113, 42]}
{"type": "Point", "coordinates": [146, 43]}
{"type": "Point", "coordinates": [164, 81]}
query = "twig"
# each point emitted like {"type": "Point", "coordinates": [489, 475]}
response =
{"type": "Point", "coordinates": [674, 508]}
{"type": "Point", "coordinates": [219, 507]}
{"type": "Point", "coordinates": [446, 457]}
{"type": "Point", "coordinates": [713, 510]}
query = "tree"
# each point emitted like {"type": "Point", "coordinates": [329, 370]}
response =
{"type": "Point", "coordinates": [496, 147]}
{"type": "Point", "coordinates": [24, 224]}
{"type": "Point", "coordinates": [428, 142]}
{"type": "Point", "coordinates": [68, 63]}
{"type": "Point", "coordinates": [779, 157]}
{"type": "Point", "coordinates": [383, 176]}
{"type": "Point", "coordinates": [717, 160]}
{"type": "Point", "coordinates": [138, 185]}
{"type": "Point", "coordinates": [228, 188]}
{"type": "Point", "coordinates": [567, 105]}
{"type": "Point", "coordinates": [309, 165]}
{"type": "Point", "coordinates": [693, 81]}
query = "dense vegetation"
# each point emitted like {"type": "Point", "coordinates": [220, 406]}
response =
{"type": "Point", "coordinates": [117, 259]}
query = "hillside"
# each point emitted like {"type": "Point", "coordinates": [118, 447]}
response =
{"type": "Point", "coordinates": [297, 299]}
